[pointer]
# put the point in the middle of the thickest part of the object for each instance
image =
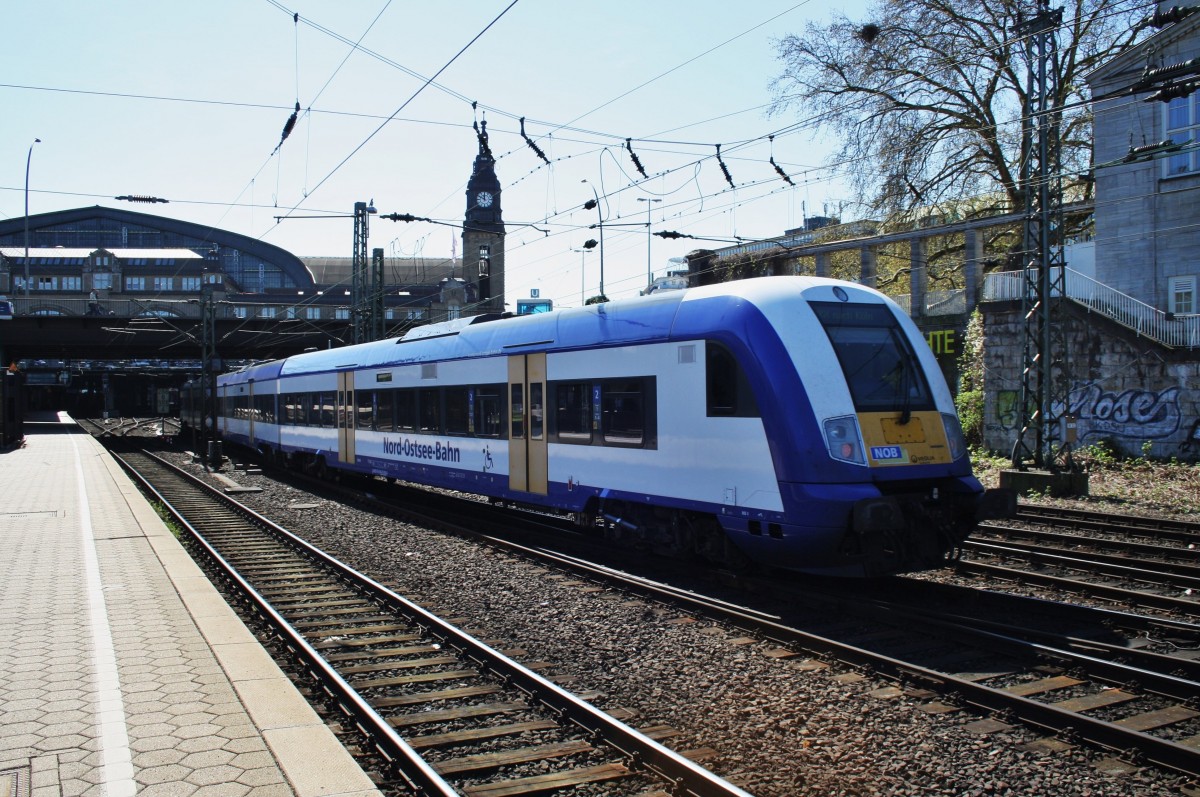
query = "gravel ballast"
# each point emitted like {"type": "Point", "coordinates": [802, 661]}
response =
{"type": "Point", "coordinates": [780, 727]}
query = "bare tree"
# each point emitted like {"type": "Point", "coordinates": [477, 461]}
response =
{"type": "Point", "coordinates": [926, 99]}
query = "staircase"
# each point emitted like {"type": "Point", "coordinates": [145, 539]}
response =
{"type": "Point", "coordinates": [1175, 332]}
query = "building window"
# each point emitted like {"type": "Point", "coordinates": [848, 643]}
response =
{"type": "Point", "coordinates": [342, 313]}
{"type": "Point", "coordinates": [312, 312]}
{"type": "Point", "coordinates": [164, 283]}
{"type": "Point", "coordinates": [1182, 298]}
{"type": "Point", "coordinates": [1183, 123]}
{"type": "Point", "coordinates": [239, 312]}
{"type": "Point", "coordinates": [46, 284]}
{"type": "Point", "coordinates": [189, 283]}
{"type": "Point", "coordinates": [135, 283]}
{"type": "Point", "coordinates": [72, 283]}
{"type": "Point", "coordinates": [266, 311]}
{"type": "Point", "coordinates": [102, 281]}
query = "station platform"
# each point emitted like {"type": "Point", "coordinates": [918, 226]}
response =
{"type": "Point", "coordinates": [122, 670]}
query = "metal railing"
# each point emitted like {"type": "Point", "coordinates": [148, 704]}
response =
{"type": "Point", "coordinates": [937, 303]}
{"type": "Point", "coordinates": [1179, 332]}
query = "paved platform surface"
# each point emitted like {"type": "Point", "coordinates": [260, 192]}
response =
{"type": "Point", "coordinates": [122, 671]}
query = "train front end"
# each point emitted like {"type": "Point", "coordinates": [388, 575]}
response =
{"type": "Point", "coordinates": [876, 470]}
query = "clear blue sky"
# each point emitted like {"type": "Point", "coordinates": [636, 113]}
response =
{"type": "Point", "coordinates": [186, 101]}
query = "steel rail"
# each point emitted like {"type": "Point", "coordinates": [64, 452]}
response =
{"type": "Point", "coordinates": [1161, 553]}
{"type": "Point", "coordinates": [1055, 720]}
{"type": "Point", "coordinates": [1132, 743]}
{"type": "Point", "coordinates": [686, 777]}
{"type": "Point", "coordinates": [1160, 751]}
{"type": "Point", "coordinates": [1086, 518]}
{"type": "Point", "coordinates": [389, 744]}
{"type": "Point", "coordinates": [1120, 594]}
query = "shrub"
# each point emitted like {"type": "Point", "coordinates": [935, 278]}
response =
{"type": "Point", "coordinates": [969, 399]}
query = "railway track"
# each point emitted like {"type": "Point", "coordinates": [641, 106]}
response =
{"type": "Point", "coordinates": [444, 712]}
{"type": "Point", "coordinates": [1074, 682]}
{"type": "Point", "coordinates": [130, 427]}
{"type": "Point", "coordinates": [1094, 687]}
{"type": "Point", "coordinates": [1135, 561]}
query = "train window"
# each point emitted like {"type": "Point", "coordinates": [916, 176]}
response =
{"type": "Point", "coordinates": [314, 415]}
{"type": "Point", "coordinates": [624, 412]}
{"type": "Point", "coordinates": [290, 405]}
{"type": "Point", "coordinates": [518, 412]}
{"type": "Point", "coordinates": [430, 407]}
{"type": "Point", "coordinates": [406, 410]}
{"type": "Point", "coordinates": [877, 360]}
{"type": "Point", "coordinates": [325, 405]}
{"type": "Point", "coordinates": [537, 410]}
{"type": "Point", "coordinates": [385, 416]}
{"type": "Point", "coordinates": [489, 411]}
{"type": "Point", "coordinates": [573, 411]}
{"type": "Point", "coordinates": [365, 409]}
{"type": "Point", "coordinates": [264, 408]}
{"type": "Point", "coordinates": [458, 410]}
{"type": "Point", "coordinates": [728, 390]}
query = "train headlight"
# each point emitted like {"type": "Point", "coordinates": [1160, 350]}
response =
{"type": "Point", "coordinates": [843, 440]}
{"type": "Point", "coordinates": [954, 435]}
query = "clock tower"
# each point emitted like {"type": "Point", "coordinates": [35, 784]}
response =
{"type": "Point", "coordinates": [483, 230]}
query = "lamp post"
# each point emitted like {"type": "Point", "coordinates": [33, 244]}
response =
{"type": "Point", "coordinates": [582, 255]}
{"type": "Point", "coordinates": [649, 271]}
{"type": "Point", "coordinates": [28, 158]}
{"type": "Point", "coordinates": [600, 223]}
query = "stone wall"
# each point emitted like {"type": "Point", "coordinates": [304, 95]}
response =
{"type": "Point", "coordinates": [1121, 388]}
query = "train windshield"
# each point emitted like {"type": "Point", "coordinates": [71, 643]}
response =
{"type": "Point", "coordinates": [880, 367]}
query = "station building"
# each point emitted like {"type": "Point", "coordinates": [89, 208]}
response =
{"type": "Point", "coordinates": [128, 264]}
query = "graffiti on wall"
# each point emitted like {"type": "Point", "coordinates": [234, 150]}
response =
{"type": "Point", "coordinates": [1135, 414]}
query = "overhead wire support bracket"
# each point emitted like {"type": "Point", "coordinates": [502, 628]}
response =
{"type": "Point", "coordinates": [636, 161]}
{"type": "Point", "coordinates": [288, 126]}
{"type": "Point", "coordinates": [724, 169]}
{"type": "Point", "coordinates": [778, 170]}
{"type": "Point", "coordinates": [139, 198]}
{"type": "Point", "coordinates": [533, 146]}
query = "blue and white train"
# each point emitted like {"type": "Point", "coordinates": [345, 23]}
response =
{"type": "Point", "coordinates": [800, 423]}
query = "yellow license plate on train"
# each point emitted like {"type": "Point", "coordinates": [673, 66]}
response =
{"type": "Point", "coordinates": [895, 434]}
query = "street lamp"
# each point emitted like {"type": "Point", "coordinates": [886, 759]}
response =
{"type": "Point", "coordinates": [600, 217]}
{"type": "Point", "coordinates": [582, 254]}
{"type": "Point", "coordinates": [649, 271]}
{"type": "Point", "coordinates": [27, 159]}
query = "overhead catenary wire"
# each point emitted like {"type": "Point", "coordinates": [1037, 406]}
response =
{"type": "Point", "coordinates": [771, 160]}
{"type": "Point", "coordinates": [405, 104]}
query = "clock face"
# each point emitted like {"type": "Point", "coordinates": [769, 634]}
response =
{"type": "Point", "coordinates": [484, 199]}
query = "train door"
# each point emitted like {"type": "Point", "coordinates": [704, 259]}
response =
{"type": "Point", "coordinates": [527, 430]}
{"type": "Point", "coordinates": [346, 417]}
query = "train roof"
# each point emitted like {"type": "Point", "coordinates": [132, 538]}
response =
{"type": "Point", "coordinates": [662, 316]}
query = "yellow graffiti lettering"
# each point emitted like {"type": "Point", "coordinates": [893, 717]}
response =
{"type": "Point", "coordinates": [941, 341]}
